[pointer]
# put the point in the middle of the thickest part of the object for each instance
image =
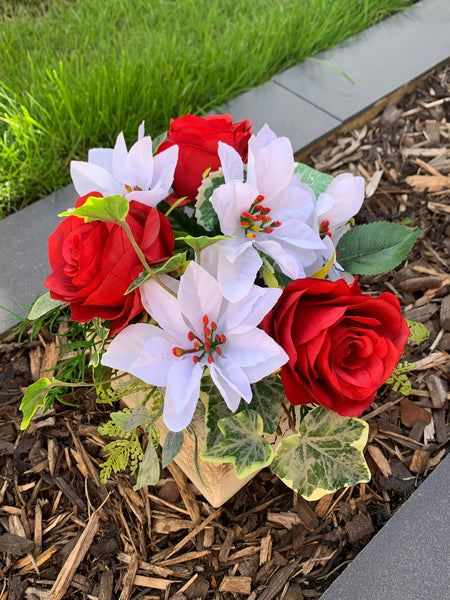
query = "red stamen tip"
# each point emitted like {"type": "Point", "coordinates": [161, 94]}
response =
{"type": "Point", "coordinates": [195, 359]}
{"type": "Point", "coordinates": [190, 336]}
{"type": "Point", "coordinates": [223, 338]}
{"type": "Point", "coordinates": [207, 331]}
{"type": "Point", "coordinates": [210, 359]}
{"type": "Point", "coordinates": [205, 320]}
{"type": "Point", "coordinates": [197, 345]}
{"type": "Point", "coordinates": [269, 229]}
{"type": "Point", "coordinates": [260, 198]}
{"type": "Point", "coordinates": [219, 350]}
{"type": "Point", "coordinates": [177, 351]}
{"type": "Point", "coordinates": [213, 325]}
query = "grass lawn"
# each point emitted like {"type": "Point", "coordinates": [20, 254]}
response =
{"type": "Point", "coordinates": [74, 73]}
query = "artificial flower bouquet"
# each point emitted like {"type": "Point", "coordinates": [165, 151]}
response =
{"type": "Point", "coordinates": [220, 275]}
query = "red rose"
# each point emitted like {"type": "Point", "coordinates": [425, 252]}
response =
{"type": "Point", "coordinates": [342, 344]}
{"type": "Point", "coordinates": [197, 139]}
{"type": "Point", "coordinates": [94, 263]}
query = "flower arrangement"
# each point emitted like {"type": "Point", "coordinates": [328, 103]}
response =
{"type": "Point", "coordinates": [220, 275]}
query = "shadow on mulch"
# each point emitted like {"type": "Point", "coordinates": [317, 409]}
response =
{"type": "Point", "coordinates": [266, 542]}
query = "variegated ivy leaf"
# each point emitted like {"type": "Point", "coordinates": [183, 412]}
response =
{"type": "Point", "coordinates": [268, 395]}
{"type": "Point", "coordinates": [242, 444]}
{"type": "Point", "coordinates": [315, 179]}
{"type": "Point", "coordinates": [172, 446]}
{"type": "Point", "coordinates": [204, 212]}
{"type": "Point", "coordinates": [325, 455]}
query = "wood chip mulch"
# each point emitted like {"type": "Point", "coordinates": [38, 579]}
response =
{"type": "Point", "coordinates": [64, 534]}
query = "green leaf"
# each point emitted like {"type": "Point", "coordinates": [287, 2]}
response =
{"type": "Point", "coordinates": [172, 445]}
{"type": "Point", "coordinates": [101, 335]}
{"type": "Point", "coordinates": [418, 332]}
{"type": "Point", "coordinates": [204, 211]}
{"type": "Point", "coordinates": [148, 473]}
{"type": "Point", "coordinates": [326, 455]}
{"type": "Point", "coordinates": [315, 179]}
{"type": "Point", "coordinates": [43, 305]}
{"type": "Point", "coordinates": [158, 140]}
{"type": "Point", "coordinates": [33, 398]}
{"type": "Point", "coordinates": [199, 243]}
{"type": "Point", "coordinates": [171, 264]}
{"type": "Point", "coordinates": [375, 248]}
{"type": "Point", "coordinates": [127, 421]}
{"type": "Point", "coordinates": [242, 444]}
{"type": "Point", "coordinates": [111, 208]}
{"type": "Point", "coordinates": [268, 395]}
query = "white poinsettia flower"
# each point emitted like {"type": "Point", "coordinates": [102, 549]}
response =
{"type": "Point", "coordinates": [334, 208]}
{"type": "Point", "coordinates": [267, 213]}
{"type": "Point", "coordinates": [135, 174]}
{"type": "Point", "coordinates": [340, 202]}
{"type": "Point", "coordinates": [198, 329]}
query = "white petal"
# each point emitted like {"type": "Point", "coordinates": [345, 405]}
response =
{"type": "Point", "coordinates": [153, 363]}
{"type": "Point", "coordinates": [139, 164]}
{"type": "Point", "coordinates": [163, 169]}
{"type": "Point", "coordinates": [164, 307]}
{"type": "Point", "coordinates": [120, 159]}
{"type": "Point", "coordinates": [229, 201]}
{"type": "Point", "coordinates": [296, 233]}
{"type": "Point", "coordinates": [256, 353]}
{"type": "Point", "coordinates": [103, 157]}
{"type": "Point", "coordinates": [199, 295]}
{"type": "Point", "coordinates": [246, 314]}
{"type": "Point", "coordinates": [182, 394]}
{"type": "Point", "coordinates": [274, 167]}
{"type": "Point", "coordinates": [231, 161]}
{"type": "Point", "coordinates": [296, 201]}
{"type": "Point", "coordinates": [290, 265]}
{"type": "Point", "coordinates": [141, 130]}
{"type": "Point", "coordinates": [127, 346]}
{"type": "Point", "coordinates": [230, 381]}
{"type": "Point", "coordinates": [236, 278]}
{"type": "Point", "coordinates": [149, 197]}
{"type": "Point", "coordinates": [265, 136]}
{"type": "Point", "coordinates": [88, 177]}
{"type": "Point", "coordinates": [348, 194]}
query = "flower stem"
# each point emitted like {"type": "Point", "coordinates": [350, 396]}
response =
{"type": "Point", "coordinates": [142, 258]}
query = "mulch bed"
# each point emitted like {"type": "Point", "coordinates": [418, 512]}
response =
{"type": "Point", "coordinates": [64, 534]}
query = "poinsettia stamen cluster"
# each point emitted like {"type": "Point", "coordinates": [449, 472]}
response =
{"type": "Point", "coordinates": [135, 188]}
{"type": "Point", "coordinates": [207, 347]}
{"type": "Point", "coordinates": [324, 229]}
{"type": "Point", "coordinates": [257, 219]}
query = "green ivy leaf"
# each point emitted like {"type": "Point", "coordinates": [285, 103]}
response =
{"type": "Point", "coordinates": [148, 473]}
{"type": "Point", "coordinates": [33, 398]}
{"type": "Point", "coordinates": [43, 305]}
{"type": "Point", "coordinates": [325, 455]}
{"type": "Point", "coordinates": [268, 395]}
{"type": "Point", "coordinates": [242, 444]}
{"type": "Point", "coordinates": [204, 212]}
{"type": "Point", "coordinates": [315, 179]}
{"type": "Point", "coordinates": [171, 264]}
{"type": "Point", "coordinates": [375, 248]}
{"type": "Point", "coordinates": [172, 445]}
{"type": "Point", "coordinates": [111, 208]}
{"type": "Point", "coordinates": [127, 421]}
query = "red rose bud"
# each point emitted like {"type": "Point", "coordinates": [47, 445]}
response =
{"type": "Point", "coordinates": [342, 344]}
{"type": "Point", "coordinates": [198, 140]}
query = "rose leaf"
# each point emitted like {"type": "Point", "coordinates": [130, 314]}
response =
{"type": "Point", "coordinates": [43, 305]}
{"type": "Point", "coordinates": [325, 455]}
{"type": "Point", "coordinates": [111, 208]}
{"type": "Point", "coordinates": [375, 248]}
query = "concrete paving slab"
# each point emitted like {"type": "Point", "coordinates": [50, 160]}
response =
{"type": "Point", "coordinates": [409, 558]}
{"type": "Point", "coordinates": [380, 60]}
{"type": "Point", "coordinates": [23, 247]}
{"type": "Point", "coordinates": [284, 112]}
